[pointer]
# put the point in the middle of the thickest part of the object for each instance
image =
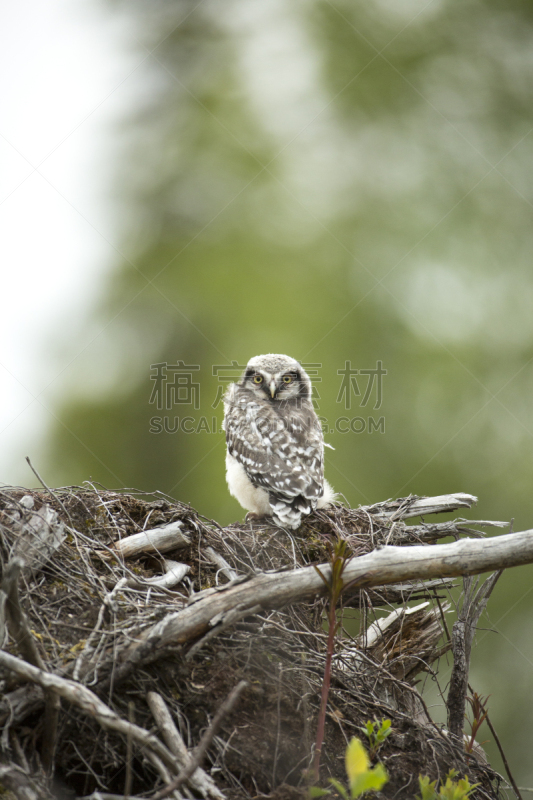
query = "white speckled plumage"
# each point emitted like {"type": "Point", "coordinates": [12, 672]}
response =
{"type": "Point", "coordinates": [275, 445]}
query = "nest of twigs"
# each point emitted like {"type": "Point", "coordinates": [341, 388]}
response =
{"type": "Point", "coordinates": [91, 607]}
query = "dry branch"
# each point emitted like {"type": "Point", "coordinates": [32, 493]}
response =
{"type": "Point", "coordinates": [95, 618]}
{"type": "Point", "coordinates": [199, 779]}
{"type": "Point", "coordinates": [89, 703]}
{"type": "Point", "coordinates": [19, 783]}
{"type": "Point", "coordinates": [474, 602]}
{"type": "Point", "coordinates": [175, 571]}
{"type": "Point", "coordinates": [156, 540]}
{"type": "Point", "coordinates": [199, 753]}
{"type": "Point", "coordinates": [275, 590]}
{"type": "Point", "coordinates": [414, 506]}
{"type": "Point", "coordinates": [220, 562]}
{"type": "Point", "coordinates": [432, 531]}
{"type": "Point", "coordinates": [18, 626]}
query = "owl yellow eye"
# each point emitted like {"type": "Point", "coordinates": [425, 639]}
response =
{"type": "Point", "coordinates": [287, 379]}
{"type": "Point", "coordinates": [258, 379]}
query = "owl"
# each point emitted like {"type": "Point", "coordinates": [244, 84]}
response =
{"type": "Point", "coordinates": [275, 445]}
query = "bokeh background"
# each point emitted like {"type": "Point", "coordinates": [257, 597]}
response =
{"type": "Point", "coordinates": [345, 182]}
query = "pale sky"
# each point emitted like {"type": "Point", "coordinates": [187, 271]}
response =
{"type": "Point", "coordinates": [66, 81]}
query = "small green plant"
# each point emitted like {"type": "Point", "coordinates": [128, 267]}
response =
{"type": "Point", "coordinates": [451, 790]}
{"type": "Point", "coordinates": [376, 733]}
{"type": "Point", "coordinates": [361, 776]}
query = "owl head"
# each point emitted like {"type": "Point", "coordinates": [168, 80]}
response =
{"type": "Point", "coordinates": [276, 377]}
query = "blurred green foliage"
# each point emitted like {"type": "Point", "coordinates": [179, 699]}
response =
{"type": "Point", "coordinates": [343, 182]}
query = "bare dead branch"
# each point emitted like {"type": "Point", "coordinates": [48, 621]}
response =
{"type": "Point", "coordinates": [89, 703]}
{"type": "Point", "coordinates": [512, 781]}
{"type": "Point", "coordinates": [156, 540]}
{"type": "Point", "coordinates": [432, 531]}
{"type": "Point", "coordinates": [26, 643]}
{"type": "Point", "coordinates": [415, 506]}
{"type": "Point", "coordinates": [473, 604]}
{"type": "Point", "coordinates": [17, 624]}
{"type": "Point", "coordinates": [199, 753]}
{"type": "Point", "coordinates": [220, 562]}
{"type": "Point", "coordinates": [175, 571]}
{"type": "Point", "coordinates": [199, 779]}
{"type": "Point", "coordinates": [17, 781]}
{"type": "Point", "coordinates": [278, 589]}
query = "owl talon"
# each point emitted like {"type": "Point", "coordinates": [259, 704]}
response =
{"type": "Point", "coordinates": [252, 517]}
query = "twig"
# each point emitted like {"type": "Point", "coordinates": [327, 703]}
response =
{"type": "Point", "coordinates": [220, 562]}
{"type": "Point", "coordinates": [207, 738]}
{"type": "Point", "coordinates": [414, 506]}
{"type": "Point", "coordinates": [89, 703]}
{"type": "Point", "coordinates": [278, 726]}
{"type": "Point", "coordinates": [50, 727]}
{"type": "Point", "coordinates": [50, 492]}
{"type": "Point", "coordinates": [281, 588]}
{"type": "Point", "coordinates": [334, 585]}
{"type": "Point", "coordinates": [505, 763]}
{"type": "Point", "coordinates": [19, 783]}
{"type": "Point", "coordinates": [129, 752]}
{"type": "Point", "coordinates": [16, 620]}
{"type": "Point", "coordinates": [156, 540]}
{"type": "Point", "coordinates": [26, 644]}
{"type": "Point", "coordinates": [200, 780]}
{"type": "Point", "coordinates": [175, 571]}
{"type": "Point", "coordinates": [88, 644]}
{"type": "Point", "coordinates": [474, 603]}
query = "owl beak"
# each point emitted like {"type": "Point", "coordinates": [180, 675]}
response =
{"type": "Point", "coordinates": [273, 388]}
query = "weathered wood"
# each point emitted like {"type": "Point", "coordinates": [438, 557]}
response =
{"type": "Point", "coordinates": [420, 506]}
{"type": "Point", "coordinates": [204, 743]}
{"type": "Point", "coordinates": [156, 540]}
{"type": "Point", "coordinates": [16, 781]}
{"type": "Point", "coordinates": [472, 606]}
{"type": "Point", "coordinates": [432, 531]}
{"type": "Point", "coordinates": [89, 703]}
{"type": "Point", "coordinates": [20, 630]}
{"type": "Point", "coordinates": [388, 565]}
{"type": "Point", "coordinates": [200, 780]}
{"type": "Point", "coordinates": [220, 562]}
{"type": "Point", "coordinates": [175, 571]}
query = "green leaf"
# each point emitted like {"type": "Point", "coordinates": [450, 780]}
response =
{"type": "Point", "coordinates": [340, 788]}
{"type": "Point", "coordinates": [384, 731]}
{"type": "Point", "coordinates": [427, 788]}
{"type": "Point", "coordinates": [451, 790]}
{"type": "Point", "coordinates": [357, 761]}
{"type": "Point", "coordinates": [368, 729]}
{"type": "Point", "coordinates": [373, 780]}
{"type": "Point", "coordinates": [316, 791]}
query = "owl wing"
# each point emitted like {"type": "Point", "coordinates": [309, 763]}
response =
{"type": "Point", "coordinates": [281, 452]}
